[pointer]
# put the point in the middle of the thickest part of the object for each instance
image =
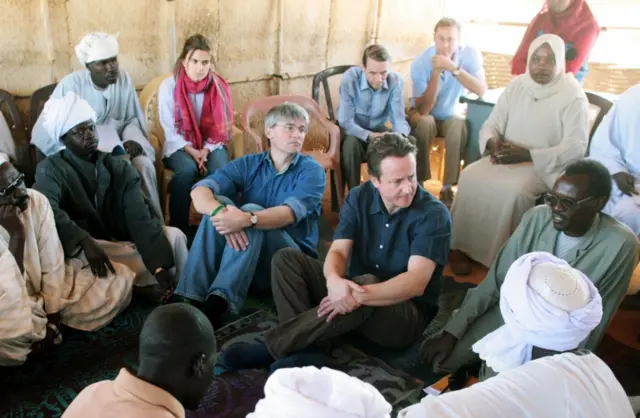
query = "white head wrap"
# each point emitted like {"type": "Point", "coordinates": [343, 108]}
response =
{"type": "Point", "coordinates": [97, 46]}
{"type": "Point", "coordinates": [544, 303]}
{"type": "Point", "coordinates": [313, 393]}
{"type": "Point", "coordinates": [63, 114]}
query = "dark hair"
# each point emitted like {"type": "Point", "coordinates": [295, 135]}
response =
{"type": "Point", "coordinates": [375, 52]}
{"type": "Point", "coordinates": [599, 176]}
{"type": "Point", "coordinates": [390, 144]}
{"type": "Point", "coordinates": [447, 22]}
{"type": "Point", "coordinates": [196, 42]}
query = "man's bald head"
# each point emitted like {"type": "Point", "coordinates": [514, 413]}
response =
{"type": "Point", "coordinates": [177, 348]}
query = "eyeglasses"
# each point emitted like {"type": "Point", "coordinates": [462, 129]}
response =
{"type": "Point", "coordinates": [292, 128]}
{"type": "Point", "coordinates": [566, 203]}
{"type": "Point", "coordinates": [9, 189]}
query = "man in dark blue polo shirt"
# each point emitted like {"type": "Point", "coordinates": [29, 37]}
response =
{"type": "Point", "coordinates": [278, 195]}
{"type": "Point", "coordinates": [397, 238]}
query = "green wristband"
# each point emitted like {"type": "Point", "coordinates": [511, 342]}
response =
{"type": "Point", "coordinates": [216, 210]}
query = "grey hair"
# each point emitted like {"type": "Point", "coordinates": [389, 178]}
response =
{"type": "Point", "coordinates": [285, 112]}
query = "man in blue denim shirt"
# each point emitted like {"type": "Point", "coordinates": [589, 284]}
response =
{"type": "Point", "coordinates": [381, 277]}
{"type": "Point", "coordinates": [370, 96]}
{"type": "Point", "coordinates": [278, 195]}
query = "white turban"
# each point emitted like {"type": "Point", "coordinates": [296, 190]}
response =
{"type": "Point", "coordinates": [97, 46]}
{"type": "Point", "coordinates": [312, 393]}
{"type": "Point", "coordinates": [544, 303]}
{"type": "Point", "coordinates": [63, 114]}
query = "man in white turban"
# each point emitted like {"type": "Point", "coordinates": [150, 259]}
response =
{"type": "Point", "coordinates": [39, 289]}
{"type": "Point", "coordinates": [98, 204]}
{"type": "Point", "coordinates": [545, 304]}
{"type": "Point", "coordinates": [318, 393]}
{"type": "Point", "coordinates": [121, 124]}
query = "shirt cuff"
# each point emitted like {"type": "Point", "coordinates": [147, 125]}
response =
{"type": "Point", "coordinates": [299, 209]}
{"type": "Point", "coordinates": [210, 184]}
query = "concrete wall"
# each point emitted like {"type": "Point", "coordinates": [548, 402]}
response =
{"type": "Point", "coordinates": [253, 39]}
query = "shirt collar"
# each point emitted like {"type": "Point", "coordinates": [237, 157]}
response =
{"type": "Point", "coordinates": [149, 393]}
{"type": "Point", "coordinates": [364, 84]}
{"type": "Point", "coordinates": [377, 206]}
{"type": "Point", "coordinates": [267, 158]}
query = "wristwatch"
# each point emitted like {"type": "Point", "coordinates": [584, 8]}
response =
{"type": "Point", "coordinates": [254, 219]}
{"type": "Point", "coordinates": [456, 72]}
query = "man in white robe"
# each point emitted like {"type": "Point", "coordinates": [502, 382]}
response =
{"type": "Point", "coordinates": [615, 144]}
{"type": "Point", "coordinates": [39, 291]}
{"type": "Point", "coordinates": [120, 121]}
{"type": "Point", "coordinates": [568, 385]}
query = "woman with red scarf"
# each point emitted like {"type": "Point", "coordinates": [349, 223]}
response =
{"type": "Point", "coordinates": [572, 21]}
{"type": "Point", "coordinates": [196, 114]}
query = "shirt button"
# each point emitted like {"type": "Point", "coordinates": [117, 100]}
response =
{"type": "Point", "coordinates": [387, 225]}
{"type": "Point", "coordinates": [381, 246]}
{"type": "Point", "coordinates": [377, 266]}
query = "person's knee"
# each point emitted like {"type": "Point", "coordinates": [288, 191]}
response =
{"type": "Point", "coordinates": [425, 126]}
{"type": "Point", "coordinates": [366, 279]}
{"type": "Point", "coordinates": [143, 163]}
{"type": "Point", "coordinates": [175, 236]}
{"type": "Point", "coordinates": [187, 171]}
{"type": "Point", "coordinates": [251, 207]}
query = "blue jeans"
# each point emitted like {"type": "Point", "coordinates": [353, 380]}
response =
{"type": "Point", "coordinates": [185, 174]}
{"type": "Point", "coordinates": [214, 268]}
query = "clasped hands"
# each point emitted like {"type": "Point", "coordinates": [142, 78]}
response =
{"type": "Point", "coordinates": [344, 296]}
{"type": "Point", "coordinates": [442, 63]}
{"type": "Point", "coordinates": [505, 152]}
{"type": "Point", "coordinates": [200, 157]}
{"type": "Point", "coordinates": [231, 222]}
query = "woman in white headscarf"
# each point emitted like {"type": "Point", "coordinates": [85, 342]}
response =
{"type": "Point", "coordinates": [539, 125]}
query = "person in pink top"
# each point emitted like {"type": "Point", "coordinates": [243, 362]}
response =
{"type": "Point", "coordinates": [176, 353]}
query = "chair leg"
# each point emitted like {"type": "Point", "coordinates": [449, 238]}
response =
{"type": "Point", "coordinates": [337, 198]}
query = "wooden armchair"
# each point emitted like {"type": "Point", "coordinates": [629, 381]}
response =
{"type": "Point", "coordinates": [322, 141]}
{"type": "Point", "coordinates": [149, 103]}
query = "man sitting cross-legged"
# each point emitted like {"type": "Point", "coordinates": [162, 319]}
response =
{"type": "Point", "coordinates": [397, 237]}
{"type": "Point", "coordinates": [572, 227]}
{"type": "Point", "coordinates": [278, 193]}
{"type": "Point", "coordinates": [99, 207]}
{"type": "Point", "coordinates": [39, 291]}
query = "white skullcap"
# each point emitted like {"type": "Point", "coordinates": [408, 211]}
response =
{"type": "Point", "coordinates": [63, 114]}
{"type": "Point", "coordinates": [97, 46]}
{"type": "Point", "coordinates": [561, 286]}
{"type": "Point", "coordinates": [318, 393]}
{"type": "Point", "coordinates": [545, 303]}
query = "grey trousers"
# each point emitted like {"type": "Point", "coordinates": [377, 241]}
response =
{"type": "Point", "coordinates": [353, 152]}
{"type": "Point", "coordinates": [425, 128]}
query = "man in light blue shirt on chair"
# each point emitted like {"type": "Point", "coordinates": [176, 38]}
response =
{"type": "Point", "coordinates": [440, 76]}
{"type": "Point", "coordinates": [370, 96]}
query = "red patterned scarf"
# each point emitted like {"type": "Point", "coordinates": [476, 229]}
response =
{"type": "Point", "coordinates": [216, 119]}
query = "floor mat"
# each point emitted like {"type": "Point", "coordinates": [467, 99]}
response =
{"type": "Point", "coordinates": [245, 388]}
{"type": "Point", "coordinates": [45, 388]}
